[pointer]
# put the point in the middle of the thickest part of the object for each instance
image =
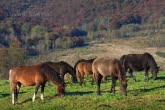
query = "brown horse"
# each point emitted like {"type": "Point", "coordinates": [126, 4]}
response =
{"type": "Point", "coordinates": [34, 75]}
{"type": "Point", "coordinates": [84, 67]}
{"type": "Point", "coordinates": [109, 67]}
{"type": "Point", "coordinates": [62, 68]}
{"type": "Point", "coordinates": [140, 62]}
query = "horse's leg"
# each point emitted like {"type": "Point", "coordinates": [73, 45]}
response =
{"type": "Point", "coordinates": [35, 91]}
{"type": "Point", "coordinates": [112, 90]}
{"type": "Point", "coordinates": [18, 86]}
{"type": "Point", "coordinates": [131, 73]}
{"type": "Point", "coordinates": [98, 81]}
{"type": "Point", "coordinates": [62, 76]}
{"type": "Point", "coordinates": [146, 73]}
{"type": "Point", "coordinates": [17, 91]}
{"type": "Point", "coordinates": [92, 80]}
{"type": "Point", "coordinates": [13, 87]}
{"type": "Point", "coordinates": [59, 90]}
{"type": "Point", "coordinates": [104, 78]}
{"type": "Point", "coordinates": [79, 76]}
{"type": "Point", "coordinates": [42, 90]}
{"type": "Point", "coordinates": [83, 82]}
{"type": "Point", "coordinates": [81, 79]}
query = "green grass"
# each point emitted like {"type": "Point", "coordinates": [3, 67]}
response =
{"type": "Point", "coordinates": [141, 95]}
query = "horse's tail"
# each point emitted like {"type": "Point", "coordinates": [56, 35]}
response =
{"type": "Point", "coordinates": [94, 71]}
{"type": "Point", "coordinates": [77, 73]}
{"type": "Point", "coordinates": [121, 72]}
{"type": "Point", "coordinates": [51, 74]}
{"type": "Point", "coordinates": [10, 71]}
{"type": "Point", "coordinates": [10, 74]}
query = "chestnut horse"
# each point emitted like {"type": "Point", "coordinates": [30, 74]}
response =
{"type": "Point", "coordinates": [103, 67]}
{"type": "Point", "coordinates": [62, 68]}
{"type": "Point", "coordinates": [34, 75]}
{"type": "Point", "coordinates": [84, 67]}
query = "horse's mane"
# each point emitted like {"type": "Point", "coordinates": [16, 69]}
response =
{"type": "Point", "coordinates": [83, 60]}
{"type": "Point", "coordinates": [63, 62]}
{"type": "Point", "coordinates": [50, 73]}
{"type": "Point", "coordinates": [122, 74]}
{"type": "Point", "coordinates": [152, 61]}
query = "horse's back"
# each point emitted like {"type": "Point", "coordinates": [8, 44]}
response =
{"type": "Point", "coordinates": [27, 75]}
{"type": "Point", "coordinates": [105, 66]}
{"type": "Point", "coordinates": [138, 61]}
{"type": "Point", "coordinates": [85, 67]}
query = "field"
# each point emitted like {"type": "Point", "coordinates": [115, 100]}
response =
{"type": "Point", "coordinates": [141, 95]}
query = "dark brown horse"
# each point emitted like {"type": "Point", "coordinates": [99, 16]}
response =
{"type": "Point", "coordinates": [62, 68]}
{"type": "Point", "coordinates": [103, 67]}
{"type": "Point", "coordinates": [84, 67]}
{"type": "Point", "coordinates": [139, 62]}
{"type": "Point", "coordinates": [34, 75]}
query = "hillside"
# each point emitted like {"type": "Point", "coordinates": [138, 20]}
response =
{"type": "Point", "coordinates": [75, 12]}
{"type": "Point", "coordinates": [114, 49]}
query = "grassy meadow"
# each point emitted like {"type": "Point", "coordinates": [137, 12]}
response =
{"type": "Point", "coordinates": [141, 95]}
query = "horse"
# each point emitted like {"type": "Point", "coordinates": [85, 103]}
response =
{"type": "Point", "coordinates": [84, 67]}
{"type": "Point", "coordinates": [106, 66]}
{"type": "Point", "coordinates": [34, 75]}
{"type": "Point", "coordinates": [140, 62]}
{"type": "Point", "coordinates": [83, 60]}
{"type": "Point", "coordinates": [62, 68]}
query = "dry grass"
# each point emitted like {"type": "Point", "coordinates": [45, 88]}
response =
{"type": "Point", "coordinates": [113, 49]}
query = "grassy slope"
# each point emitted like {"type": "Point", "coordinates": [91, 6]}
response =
{"type": "Point", "coordinates": [141, 95]}
{"type": "Point", "coordinates": [115, 49]}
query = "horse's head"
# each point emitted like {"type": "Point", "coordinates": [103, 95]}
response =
{"type": "Point", "coordinates": [61, 89]}
{"type": "Point", "coordinates": [74, 79]}
{"type": "Point", "coordinates": [72, 71]}
{"type": "Point", "coordinates": [154, 72]}
{"type": "Point", "coordinates": [123, 87]}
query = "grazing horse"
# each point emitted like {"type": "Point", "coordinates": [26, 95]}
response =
{"type": "Point", "coordinates": [62, 68]}
{"type": "Point", "coordinates": [139, 62]}
{"type": "Point", "coordinates": [109, 67]}
{"type": "Point", "coordinates": [84, 67]}
{"type": "Point", "coordinates": [83, 60]}
{"type": "Point", "coordinates": [34, 75]}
